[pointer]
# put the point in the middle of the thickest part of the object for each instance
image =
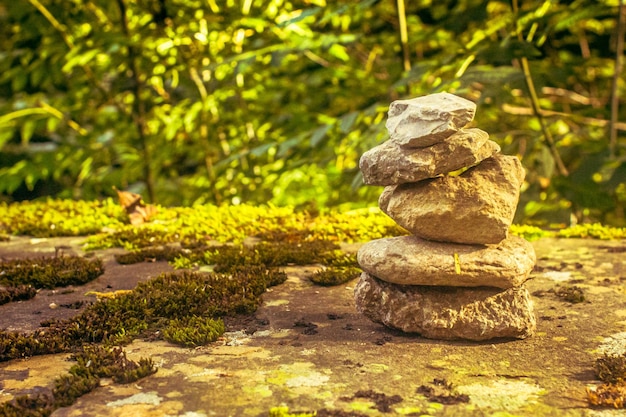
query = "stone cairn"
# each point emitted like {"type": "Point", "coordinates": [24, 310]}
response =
{"type": "Point", "coordinates": [459, 275]}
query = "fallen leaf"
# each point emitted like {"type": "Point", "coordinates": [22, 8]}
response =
{"type": "Point", "coordinates": [138, 212]}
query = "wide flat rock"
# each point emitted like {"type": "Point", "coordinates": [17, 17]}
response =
{"type": "Point", "coordinates": [477, 206]}
{"type": "Point", "coordinates": [391, 164]}
{"type": "Point", "coordinates": [278, 358]}
{"type": "Point", "coordinates": [409, 260]}
{"type": "Point", "coordinates": [447, 313]}
{"type": "Point", "coordinates": [424, 121]}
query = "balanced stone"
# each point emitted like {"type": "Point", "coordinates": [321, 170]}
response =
{"type": "Point", "coordinates": [477, 206]}
{"type": "Point", "coordinates": [391, 164]}
{"type": "Point", "coordinates": [409, 260]}
{"type": "Point", "coordinates": [427, 120]}
{"type": "Point", "coordinates": [447, 312]}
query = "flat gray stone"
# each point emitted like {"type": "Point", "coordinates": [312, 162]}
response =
{"type": "Point", "coordinates": [424, 121]}
{"type": "Point", "coordinates": [475, 207]}
{"type": "Point", "coordinates": [409, 260]}
{"type": "Point", "coordinates": [447, 313]}
{"type": "Point", "coordinates": [391, 164]}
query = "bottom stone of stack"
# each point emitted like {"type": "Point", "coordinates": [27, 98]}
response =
{"type": "Point", "coordinates": [447, 313]}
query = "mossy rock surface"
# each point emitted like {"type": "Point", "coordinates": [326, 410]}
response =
{"type": "Point", "coordinates": [295, 347]}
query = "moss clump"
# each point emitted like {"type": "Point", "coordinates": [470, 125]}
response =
{"type": "Point", "coordinates": [92, 363]}
{"type": "Point", "coordinates": [183, 307]}
{"type": "Point", "coordinates": [193, 331]}
{"type": "Point", "coordinates": [595, 231]}
{"type": "Point", "coordinates": [572, 294]}
{"type": "Point", "coordinates": [166, 253]}
{"type": "Point", "coordinates": [148, 309]}
{"type": "Point", "coordinates": [271, 254]}
{"type": "Point", "coordinates": [335, 275]}
{"type": "Point", "coordinates": [58, 271]}
{"type": "Point", "coordinates": [530, 233]}
{"type": "Point", "coordinates": [60, 217]}
{"type": "Point", "coordinates": [20, 292]}
{"type": "Point", "coordinates": [284, 412]}
{"type": "Point", "coordinates": [610, 369]}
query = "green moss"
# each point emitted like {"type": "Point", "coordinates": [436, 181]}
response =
{"type": "Point", "coordinates": [58, 271]}
{"type": "Point", "coordinates": [611, 368]}
{"type": "Point", "coordinates": [20, 292]}
{"type": "Point", "coordinates": [271, 254]}
{"type": "Point", "coordinates": [335, 275]}
{"type": "Point", "coordinates": [166, 253]}
{"type": "Point", "coordinates": [530, 233]}
{"type": "Point", "coordinates": [148, 309]}
{"type": "Point", "coordinates": [60, 217]}
{"type": "Point", "coordinates": [284, 412]}
{"type": "Point", "coordinates": [571, 294]}
{"type": "Point", "coordinates": [92, 363]}
{"type": "Point", "coordinates": [193, 331]}
{"type": "Point", "coordinates": [595, 230]}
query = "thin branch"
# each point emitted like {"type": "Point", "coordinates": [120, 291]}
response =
{"type": "Point", "coordinates": [619, 62]}
{"type": "Point", "coordinates": [139, 107]}
{"type": "Point", "coordinates": [404, 36]}
{"type": "Point", "coordinates": [591, 121]}
{"type": "Point", "coordinates": [534, 101]}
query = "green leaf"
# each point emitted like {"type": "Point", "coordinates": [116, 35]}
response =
{"type": "Point", "coordinates": [319, 134]}
{"type": "Point", "coordinates": [27, 130]}
{"type": "Point", "coordinates": [347, 121]}
{"type": "Point", "coordinates": [339, 51]}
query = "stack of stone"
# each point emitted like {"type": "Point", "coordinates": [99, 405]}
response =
{"type": "Point", "coordinates": [459, 274]}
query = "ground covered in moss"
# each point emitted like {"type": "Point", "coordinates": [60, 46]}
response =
{"type": "Point", "coordinates": [224, 260]}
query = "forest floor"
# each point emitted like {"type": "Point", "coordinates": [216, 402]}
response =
{"type": "Point", "coordinates": [306, 348]}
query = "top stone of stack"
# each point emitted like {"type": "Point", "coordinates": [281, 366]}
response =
{"type": "Point", "coordinates": [425, 121]}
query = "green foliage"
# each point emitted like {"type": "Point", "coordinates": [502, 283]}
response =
{"type": "Point", "coordinates": [275, 101]}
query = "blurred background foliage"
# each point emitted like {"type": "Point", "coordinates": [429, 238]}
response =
{"type": "Point", "coordinates": [256, 101]}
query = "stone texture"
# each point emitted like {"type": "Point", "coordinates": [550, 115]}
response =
{"type": "Point", "coordinates": [424, 121]}
{"type": "Point", "coordinates": [447, 313]}
{"type": "Point", "coordinates": [390, 164]}
{"type": "Point", "coordinates": [475, 207]}
{"type": "Point", "coordinates": [409, 260]}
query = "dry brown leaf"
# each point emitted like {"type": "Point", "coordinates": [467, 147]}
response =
{"type": "Point", "coordinates": [138, 212]}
